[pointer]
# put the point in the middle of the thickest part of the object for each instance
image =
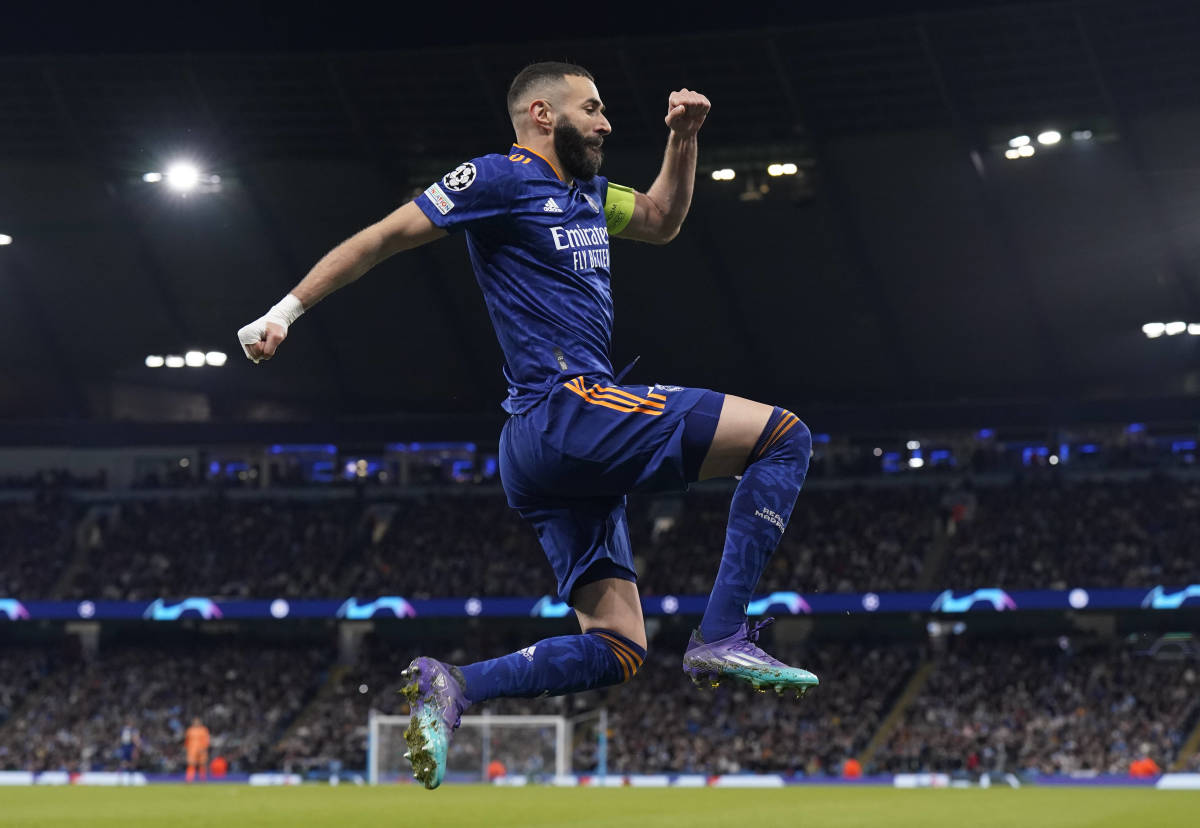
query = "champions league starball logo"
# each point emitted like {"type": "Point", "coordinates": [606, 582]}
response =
{"type": "Point", "coordinates": [160, 610]}
{"type": "Point", "coordinates": [13, 610]}
{"type": "Point", "coordinates": [460, 177]}
{"type": "Point", "coordinates": [397, 606]}
{"type": "Point", "coordinates": [778, 601]}
{"type": "Point", "coordinates": [547, 607]}
{"type": "Point", "coordinates": [997, 599]}
{"type": "Point", "coordinates": [1159, 599]}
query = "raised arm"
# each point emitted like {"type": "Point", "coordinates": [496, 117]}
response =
{"type": "Point", "coordinates": [404, 229]}
{"type": "Point", "coordinates": [659, 212]}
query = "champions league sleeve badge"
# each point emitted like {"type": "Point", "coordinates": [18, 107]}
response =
{"type": "Point", "coordinates": [461, 177]}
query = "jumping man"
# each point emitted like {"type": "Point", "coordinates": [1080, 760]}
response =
{"type": "Point", "coordinates": [538, 220]}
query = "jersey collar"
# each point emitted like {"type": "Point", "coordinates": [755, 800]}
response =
{"type": "Point", "coordinates": [519, 153]}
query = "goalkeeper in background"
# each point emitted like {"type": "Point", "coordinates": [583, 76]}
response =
{"type": "Point", "coordinates": [196, 741]}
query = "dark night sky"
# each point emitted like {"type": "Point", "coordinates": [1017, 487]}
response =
{"type": "Point", "coordinates": [186, 25]}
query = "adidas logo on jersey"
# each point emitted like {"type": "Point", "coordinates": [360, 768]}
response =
{"type": "Point", "coordinates": [551, 206]}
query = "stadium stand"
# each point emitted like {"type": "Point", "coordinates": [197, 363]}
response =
{"type": "Point", "coordinates": [415, 546]}
{"type": "Point", "coordinates": [1010, 705]}
{"type": "Point", "coordinates": [35, 545]}
{"type": "Point", "coordinates": [1050, 707]}
{"type": "Point", "coordinates": [1023, 534]}
{"type": "Point", "coordinates": [1085, 533]}
{"type": "Point", "coordinates": [148, 549]}
{"type": "Point", "coordinates": [245, 694]}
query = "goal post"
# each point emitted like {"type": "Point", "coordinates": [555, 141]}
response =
{"type": "Point", "coordinates": [533, 746]}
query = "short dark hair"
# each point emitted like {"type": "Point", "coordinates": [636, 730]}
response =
{"type": "Point", "coordinates": [537, 73]}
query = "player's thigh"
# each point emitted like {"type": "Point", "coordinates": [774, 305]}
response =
{"type": "Point", "coordinates": [611, 604]}
{"type": "Point", "coordinates": [740, 425]}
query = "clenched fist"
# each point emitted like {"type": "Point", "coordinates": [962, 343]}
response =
{"type": "Point", "coordinates": [686, 111]}
{"type": "Point", "coordinates": [261, 337]}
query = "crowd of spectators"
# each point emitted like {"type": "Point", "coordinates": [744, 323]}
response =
{"type": "Point", "coordinates": [432, 546]}
{"type": "Point", "coordinates": [1017, 705]}
{"type": "Point", "coordinates": [1049, 707]}
{"type": "Point", "coordinates": [22, 669]}
{"type": "Point", "coordinates": [461, 545]}
{"type": "Point", "coordinates": [1047, 535]}
{"type": "Point", "coordinates": [838, 540]}
{"type": "Point", "coordinates": [147, 549]}
{"type": "Point", "coordinates": [69, 716]}
{"type": "Point", "coordinates": [35, 546]}
{"type": "Point", "coordinates": [1132, 533]}
{"type": "Point", "coordinates": [660, 722]}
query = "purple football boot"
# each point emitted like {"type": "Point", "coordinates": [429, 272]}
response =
{"type": "Point", "coordinates": [437, 701]}
{"type": "Point", "coordinates": [740, 657]}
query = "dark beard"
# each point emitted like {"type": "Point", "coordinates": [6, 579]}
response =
{"type": "Point", "coordinates": [580, 157]}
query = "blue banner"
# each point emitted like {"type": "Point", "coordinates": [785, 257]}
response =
{"type": "Point", "coordinates": [947, 602]}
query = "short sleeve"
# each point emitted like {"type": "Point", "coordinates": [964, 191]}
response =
{"type": "Point", "coordinates": [473, 191]}
{"type": "Point", "coordinates": [618, 207]}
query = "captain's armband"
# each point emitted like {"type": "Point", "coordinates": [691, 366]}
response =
{"type": "Point", "coordinates": [618, 207]}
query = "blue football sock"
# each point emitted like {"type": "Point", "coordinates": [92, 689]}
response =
{"type": "Point", "coordinates": [762, 505]}
{"type": "Point", "coordinates": [556, 666]}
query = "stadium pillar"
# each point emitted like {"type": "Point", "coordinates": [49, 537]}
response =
{"type": "Point", "coordinates": [350, 636]}
{"type": "Point", "coordinates": [88, 633]}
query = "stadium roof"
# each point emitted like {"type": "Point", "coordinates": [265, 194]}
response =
{"type": "Point", "coordinates": [909, 261]}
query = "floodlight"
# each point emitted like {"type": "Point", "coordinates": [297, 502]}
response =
{"type": "Point", "coordinates": [725, 174]}
{"type": "Point", "coordinates": [1025, 151]}
{"type": "Point", "coordinates": [1019, 141]}
{"type": "Point", "coordinates": [1175, 328]}
{"type": "Point", "coordinates": [915, 463]}
{"type": "Point", "coordinates": [154, 361]}
{"type": "Point", "coordinates": [194, 359]}
{"type": "Point", "coordinates": [182, 176]}
{"type": "Point", "coordinates": [175, 361]}
{"type": "Point", "coordinates": [215, 358]}
{"type": "Point", "coordinates": [1012, 154]}
{"type": "Point", "coordinates": [152, 177]}
{"type": "Point", "coordinates": [1194, 329]}
{"type": "Point", "coordinates": [1049, 137]}
{"type": "Point", "coordinates": [5, 239]}
{"type": "Point", "coordinates": [1053, 459]}
{"type": "Point", "coordinates": [1154, 330]}
{"type": "Point", "coordinates": [913, 445]}
{"type": "Point", "coordinates": [789, 168]}
{"type": "Point", "coordinates": [1081, 135]}
{"type": "Point", "coordinates": [775, 170]}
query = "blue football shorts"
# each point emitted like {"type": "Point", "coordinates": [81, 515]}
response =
{"type": "Point", "coordinates": [568, 462]}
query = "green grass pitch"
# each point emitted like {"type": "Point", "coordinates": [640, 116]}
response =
{"type": "Point", "coordinates": [807, 807]}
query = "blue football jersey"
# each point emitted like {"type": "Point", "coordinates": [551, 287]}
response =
{"type": "Point", "coordinates": [540, 253]}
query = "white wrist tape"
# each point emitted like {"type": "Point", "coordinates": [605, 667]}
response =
{"type": "Point", "coordinates": [283, 313]}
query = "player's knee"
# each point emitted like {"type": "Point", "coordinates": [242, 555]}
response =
{"type": "Point", "coordinates": [628, 656]}
{"type": "Point", "coordinates": [801, 440]}
{"type": "Point", "coordinates": [786, 439]}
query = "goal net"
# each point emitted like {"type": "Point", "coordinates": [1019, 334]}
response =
{"type": "Point", "coordinates": [537, 747]}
